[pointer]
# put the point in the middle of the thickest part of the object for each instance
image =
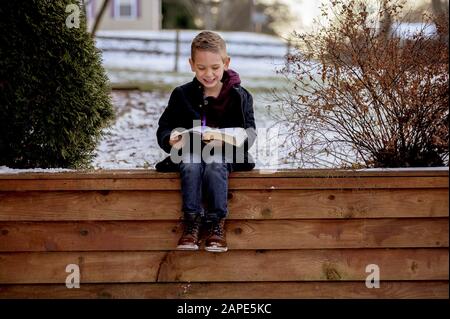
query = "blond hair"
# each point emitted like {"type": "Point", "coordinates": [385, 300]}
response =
{"type": "Point", "coordinates": [209, 41]}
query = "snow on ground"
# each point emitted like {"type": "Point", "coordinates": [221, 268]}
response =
{"type": "Point", "coordinates": [131, 141]}
{"type": "Point", "coordinates": [409, 30]}
{"type": "Point", "coordinates": [7, 170]}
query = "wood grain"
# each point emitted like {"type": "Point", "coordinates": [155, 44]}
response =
{"type": "Point", "coordinates": [243, 204]}
{"type": "Point", "coordinates": [239, 265]}
{"type": "Point", "coordinates": [235, 290]}
{"type": "Point", "coordinates": [241, 234]}
{"type": "Point", "coordinates": [234, 183]}
{"type": "Point", "coordinates": [291, 234]}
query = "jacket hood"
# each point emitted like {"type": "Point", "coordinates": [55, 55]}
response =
{"type": "Point", "coordinates": [230, 78]}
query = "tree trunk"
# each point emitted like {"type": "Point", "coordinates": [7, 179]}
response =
{"type": "Point", "coordinates": [386, 21]}
{"type": "Point", "coordinates": [440, 13]}
{"type": "Point", "coordinates": [99, 17]}
{"type": "Point", "coordinates": [208, 16]}
{"type": "Point", "coordinates": [437, 7]}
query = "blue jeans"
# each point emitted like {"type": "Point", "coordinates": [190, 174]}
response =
{"type": "Point", "coordinates": [204, 182]}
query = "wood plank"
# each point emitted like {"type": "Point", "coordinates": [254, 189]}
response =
{"type": "Point", "coordinates": [238, 183]}
{"type": "Point", "coordinates": [163, 235]}
{"type": "Point", "coordinates": [237, 290]}
{"type": "Point", "coordinates": [243, 204]}
{"type": "Point", "coordinates": [325, 172]}
{"type": "Point", "coordinates": [239, 265]}
{"type": "Point", "coordinates": [306, 265]}
{"type": "Point", "coordinates": [90, 205]}
{"type": "Point", "coordinates": [374, 203]}
{"type": "Point", "coordinates": [339, 183]}
{"type": "Point", "coordinates": [94, 266]}
{"type": "Point", "coordinates": [151, 173]}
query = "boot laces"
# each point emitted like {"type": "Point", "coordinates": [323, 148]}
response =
{"type": "Point", "coordinates": [217, 229]}
{"type": "Point", "coordinates": [191, 227]}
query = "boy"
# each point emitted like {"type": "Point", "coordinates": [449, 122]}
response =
{"type": "Point", "coordinates": [215, 98]}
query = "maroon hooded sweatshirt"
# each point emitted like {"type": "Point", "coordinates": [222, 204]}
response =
{"type": "Point", "coordinates": [215, 107]}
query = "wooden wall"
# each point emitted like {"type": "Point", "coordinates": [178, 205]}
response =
{"type": "Point", "coordinates": [291, 234]}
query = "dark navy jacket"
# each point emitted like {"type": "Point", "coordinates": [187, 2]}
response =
{"type": "Point", "coordinates": [185, 105]}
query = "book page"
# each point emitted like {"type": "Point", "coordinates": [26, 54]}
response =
{"type": "Point", "coordinates": [231, 135]}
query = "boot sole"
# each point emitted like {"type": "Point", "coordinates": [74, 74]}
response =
{"type": "Point", "coordinates": [216, 249]}
{"type": "Point", "coordinates": [187, 247]}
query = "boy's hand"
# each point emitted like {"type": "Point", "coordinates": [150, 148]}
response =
{"type": "Point", "coordinates": [176, 142]}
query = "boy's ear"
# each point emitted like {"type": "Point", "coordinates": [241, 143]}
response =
{"type": "Point", "coordinates": [192, 64]}
{"type": "Point", "coordinates": [227, 62]}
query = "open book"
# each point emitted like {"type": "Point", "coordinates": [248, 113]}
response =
{"type": "Point", "coordinates": [231, 135]}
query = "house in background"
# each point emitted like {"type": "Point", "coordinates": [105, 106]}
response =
{"type": "Point", "coordinates": [142, 15]}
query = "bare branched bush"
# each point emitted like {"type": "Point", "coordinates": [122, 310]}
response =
{"type": "Point", "coordinates": [362, 97]}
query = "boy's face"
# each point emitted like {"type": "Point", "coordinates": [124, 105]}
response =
{"type": "Point", "coordinates": [209, 67]}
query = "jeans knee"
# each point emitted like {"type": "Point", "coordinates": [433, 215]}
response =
{"type": "Point", "coordinates": [216, 169]}
{"type": "Point", "coordinates": [190, 168]}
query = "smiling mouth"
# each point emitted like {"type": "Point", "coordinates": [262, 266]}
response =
{"type": "Point", "coordinates": [209, 81]}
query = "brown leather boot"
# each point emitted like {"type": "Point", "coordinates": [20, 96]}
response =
{"type": "Point", "coordinates": [189, 239]}
{"type": "Point", "coordinates": [216, 240]}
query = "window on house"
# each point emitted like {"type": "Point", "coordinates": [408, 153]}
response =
{"type": "Point", "coordinates": [125, 9]}
{"type": "Point", "coordinates": [90, 9]}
